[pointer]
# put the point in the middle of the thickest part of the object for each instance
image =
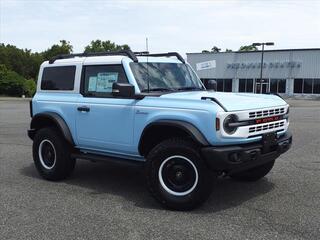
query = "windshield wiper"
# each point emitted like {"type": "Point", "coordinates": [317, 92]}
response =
{"type": "Point", "coordinates": [189, 88]}
{"type": "Point", "coordinates": [157, 89]}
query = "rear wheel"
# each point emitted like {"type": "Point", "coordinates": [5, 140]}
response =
{"type": "Point", "coordinates": [51, 155]}
{"type": "Point", "coordinates": [177, 176]}
{"type": "Point", "coordinates": [254, 174]}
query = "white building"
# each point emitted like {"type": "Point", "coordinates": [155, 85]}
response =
{"type": "Point", "coordinates": [293, 72]}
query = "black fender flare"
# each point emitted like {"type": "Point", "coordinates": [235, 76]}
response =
{"type": "Point", "coordinates": [59, 122]}
{"type": "Point", "coordinates": [189, 128]}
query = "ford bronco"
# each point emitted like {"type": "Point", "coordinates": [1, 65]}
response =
{"type": "Point", "coordinates": [153, 110]}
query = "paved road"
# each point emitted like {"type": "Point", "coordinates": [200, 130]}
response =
{"type": "Point", "coordinates": [103, 201]}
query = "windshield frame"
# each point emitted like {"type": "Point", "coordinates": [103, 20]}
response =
{"type": "Point", "coordinates": [197, 84]}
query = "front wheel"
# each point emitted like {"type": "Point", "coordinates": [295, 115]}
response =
{"type": "Point", "coordinates": [254, 174]}
{"type": "Point", "coordinates": [51, 155]}
{"type": "Point", "coordinates": [177, 176]}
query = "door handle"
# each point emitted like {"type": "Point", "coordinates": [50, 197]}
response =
{"type": "Point", "coordinates": [83, 109]}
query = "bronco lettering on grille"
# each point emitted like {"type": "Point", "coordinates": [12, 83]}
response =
{"type": "Point", "coordinates": [268, 119]}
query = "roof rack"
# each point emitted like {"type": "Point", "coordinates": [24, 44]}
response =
{"type": "Point", "coordinates": [169, 54]}
{"type": "Point", "coordinates": [141, 53]}
{"type": "Point", "coordinates": [127, 53]}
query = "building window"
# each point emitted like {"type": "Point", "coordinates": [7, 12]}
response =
{"type": "Point", "coordinates": [219, 85]}
{"type": "Point", "coordinates": [307, 85]}
{"type": "Point", "coordinates": [274, 85]}
{"type": "Point", "coordinates": [278, 85]}
{"type": "Point", "coordinates": [223, 85]}
{"type": "Point", "coordinates": [249, 86]}
{"type": "Point", "coordinates": [245, 85]}
{"type": "Point", "coordinates": [227, 85]}
{"type": "Point", "coordinates": [316, 86]}
{"type": "Point", "coordinates": [297, 85]}
{"type": "Point", "coordinates": [282, 86]}
{"type": "Point", "coordinates": [242, 85]}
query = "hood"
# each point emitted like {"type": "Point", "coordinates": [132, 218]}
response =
{"type": "Point", "coordinates": [232, 101]}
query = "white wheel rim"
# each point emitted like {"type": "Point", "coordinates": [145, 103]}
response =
{"type": "Point", "coordinates": [166, 188]}
{"type": "Point", "coordinates": [41, 157]}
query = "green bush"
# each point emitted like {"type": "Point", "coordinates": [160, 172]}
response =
{"type": "Point", "coordinates": [30, 88]}
{"type": "Point", "coordinates": [12, 84]}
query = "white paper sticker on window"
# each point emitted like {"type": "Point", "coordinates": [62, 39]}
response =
{"type": "Point", "coordinates": [206, 65]}
{"type": "Point", "coordinates": [92, 84]}
{"type": "Point", "coordinates": [105, 81]}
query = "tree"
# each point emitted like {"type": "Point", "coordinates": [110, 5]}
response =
{"type": "Point", "coordinates": [228, 50]}
{"type": "Point", "coordinates": [19, 67]}
{"type": "Point", "coordinates": [11, 83]}
{"type": "Point", "coordinates": [30, 87]}
{"type": "Point", "coordinates": [22, 61]}
{"type": "Point", "coordinates": [215, 49]}
{"type": "Point", "coordinates": [104, 46]}
{"type": "Point", "coordinates": [63, 48]}
{"type": "Point", "coordinates": [248, 48]}
{"type": "Point", "coordinates": [205, 51]}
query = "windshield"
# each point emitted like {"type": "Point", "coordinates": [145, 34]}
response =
{"type": "Point", "coordinates": [165, 77]}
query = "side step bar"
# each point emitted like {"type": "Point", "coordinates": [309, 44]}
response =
{"type": "Point", "coordinates": [102, 158]}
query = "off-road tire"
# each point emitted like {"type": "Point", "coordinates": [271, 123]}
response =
{"type": "Point", "coordinates": [188, 150]}
{"type": "Point", "coordinates": [63, 165]}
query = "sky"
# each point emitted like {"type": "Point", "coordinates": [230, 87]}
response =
{"type": "Point", "coordinates": [182, 26]}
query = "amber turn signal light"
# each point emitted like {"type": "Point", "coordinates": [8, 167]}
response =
{"type": "Point", "coordinates": [217, 124]}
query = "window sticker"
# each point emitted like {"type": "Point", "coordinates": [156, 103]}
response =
{"type": "Point", "coordinates": [105, 81]}
{"type": "Point", "coordinates": [92, 84]}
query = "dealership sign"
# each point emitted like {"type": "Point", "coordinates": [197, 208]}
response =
{"type": "Point", "coordinates": [290, 64]}
{"type": "Point", "coordinates": [206, 65]}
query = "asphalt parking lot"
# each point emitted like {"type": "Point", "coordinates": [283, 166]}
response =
{"type": "Point", "coordinates": [105, 201]}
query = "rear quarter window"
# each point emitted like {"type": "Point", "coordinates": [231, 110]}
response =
{"type": "Point", "coordinates": [58, 78]}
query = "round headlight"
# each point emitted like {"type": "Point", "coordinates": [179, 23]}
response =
{"type": "Point", "coordinates": [228, 128]}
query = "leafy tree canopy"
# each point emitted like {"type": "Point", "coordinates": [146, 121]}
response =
{"type": "Point", "coordinates": [104, 46]}
{"type": "Point", "coordinates": [248, 48]}
{"type": "Point", "coordinates": [215, 49]}
{"type": "Point", "coordinates": [63, 48]}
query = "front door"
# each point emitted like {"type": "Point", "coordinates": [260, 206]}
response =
{"type": "Point", "coordinates": [262, 86]}
{"type": "Point", "coordinates": [104, 123]}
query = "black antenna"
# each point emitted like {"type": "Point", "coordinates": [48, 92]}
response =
{"type": "Point", "coordinates": [148, 80]}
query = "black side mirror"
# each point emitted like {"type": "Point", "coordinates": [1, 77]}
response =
{"type": "Point", "coordinates": [212, 85]}
{"type": "Point", "coordinates": [125, 90]}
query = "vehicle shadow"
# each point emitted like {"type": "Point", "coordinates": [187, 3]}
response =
{"type": "Point", "coordinates": [129, 183]}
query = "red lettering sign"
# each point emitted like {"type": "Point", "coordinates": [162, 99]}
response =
{"type": "Point", "coordinates": [267, 119]}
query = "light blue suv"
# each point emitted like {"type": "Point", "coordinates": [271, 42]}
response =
{"type": "Point", "coordinates": [152, 109]}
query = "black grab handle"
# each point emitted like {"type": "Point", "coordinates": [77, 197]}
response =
{"type": "Point", "coordinates": [83, 109]}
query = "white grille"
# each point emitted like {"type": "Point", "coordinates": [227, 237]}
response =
{"type": "Point", "coordinates": [267, 113]}
{"type": "Point", "coordinates": [268, 126]}
{"type": "Point", "coordinates": [257, 129]}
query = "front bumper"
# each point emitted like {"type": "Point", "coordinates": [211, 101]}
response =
{"type": "Point", "coordinates": [237, 158]}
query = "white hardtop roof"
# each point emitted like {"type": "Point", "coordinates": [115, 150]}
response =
{"type": "Point", "coordinates": [109, 60]}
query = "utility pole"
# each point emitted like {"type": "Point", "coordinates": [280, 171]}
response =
{"type": "Point", "coordinates": [262, 52]}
